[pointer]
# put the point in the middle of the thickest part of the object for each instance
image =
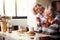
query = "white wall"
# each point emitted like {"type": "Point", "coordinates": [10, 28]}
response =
{"type": "Point", "coordinates": [30, 19]}
{"type": "Point", "coordinates": [19, 22]}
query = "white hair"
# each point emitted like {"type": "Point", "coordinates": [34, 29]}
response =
{"type": "Point", "coordinates": [48, 9]}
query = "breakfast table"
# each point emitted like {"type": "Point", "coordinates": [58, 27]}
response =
{"type": "Point", "coordinates": [15, 35]}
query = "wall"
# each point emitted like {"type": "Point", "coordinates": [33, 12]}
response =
{"type": "Point", "coordinates": [44, 3]}
{"type": "Point", "coordinates": [19, 22]}
{"type": "Point", "coordinates": [55, 0]}
{"type": "Point", "coordinates": [30, 17]}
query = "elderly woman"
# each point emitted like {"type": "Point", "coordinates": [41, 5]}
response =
{"type": "Point", "coordinates": [38, 9]}
{"type": "Point", "coordinates": [51, 25]}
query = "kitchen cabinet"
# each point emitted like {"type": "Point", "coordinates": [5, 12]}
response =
{"type": "Point", "coordinates": [56, 6]}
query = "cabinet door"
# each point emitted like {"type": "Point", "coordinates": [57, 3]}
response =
{"type": "Point", "coordinates": [58, 6]}
{"type": "Point", "coordinates": [1, 38]}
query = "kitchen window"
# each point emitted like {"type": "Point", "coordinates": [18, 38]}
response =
{"type": "Point", "coordinates": [10, 7]}
{"type": "Point", "coordinates": [18, 8]}
{"type": "Point", "coordinates": [22, 7]}
{"type": "Point", "coordinates": [1, 7]}
{"type": "Point", "coordinates": [14, 7]}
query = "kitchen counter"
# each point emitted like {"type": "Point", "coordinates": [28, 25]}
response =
{"type": "Point", "coordinates": [23, 36]}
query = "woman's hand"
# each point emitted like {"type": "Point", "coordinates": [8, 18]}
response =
{"type": "Point", "coordinates": [38, 24]}
{"type": "Point", "coordinates": [38, 21]}
{"type": "Point", "coordinates": [45, 24]}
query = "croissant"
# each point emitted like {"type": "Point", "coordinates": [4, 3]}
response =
{"type": "Point", "coordinates": [31, 33]}
{"type": "Point", "coordinates": [22, 30]}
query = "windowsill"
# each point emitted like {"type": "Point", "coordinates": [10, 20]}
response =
{"type": "Point", "coordinates": [19, 17]}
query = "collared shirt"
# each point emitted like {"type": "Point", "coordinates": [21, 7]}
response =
{"type": "Point", "coordinates": [41, 17]}
{"type": "Point", "coordinates": [38, 28]}
{"type": "Point", "coordinates": [42, 20]}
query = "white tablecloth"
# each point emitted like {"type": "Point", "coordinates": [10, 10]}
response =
{"type": "Point", "coordinates": [21, 36]}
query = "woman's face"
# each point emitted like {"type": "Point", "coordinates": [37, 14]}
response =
{"type": "Point", "coordinates": [51, 15]}
{"type": "Point", "coordinates": [38, 9]}
{"type": "Point", "coordinates": [45, 15]}
{"type": "Point", "coordinates": [48, 15]}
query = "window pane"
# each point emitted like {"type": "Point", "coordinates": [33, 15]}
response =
{"type": "Point", "coordinates": [1, 7]}
{"type": "Point", "coordinates": [10, 7]}
{"type": "Point", "coordinates": [22, 7]}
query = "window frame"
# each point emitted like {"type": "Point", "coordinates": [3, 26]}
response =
{"type": "Point", "coordinates": [15, 10]}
